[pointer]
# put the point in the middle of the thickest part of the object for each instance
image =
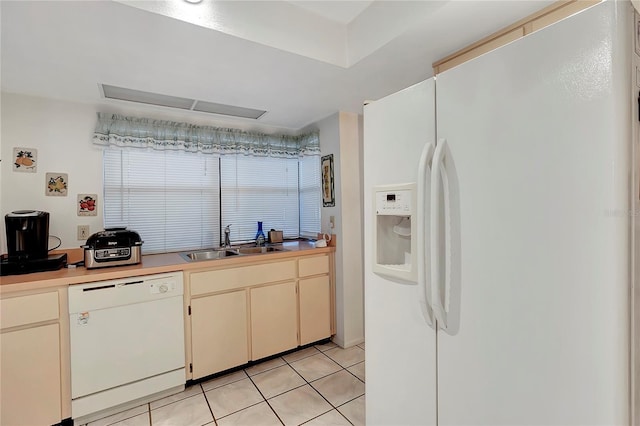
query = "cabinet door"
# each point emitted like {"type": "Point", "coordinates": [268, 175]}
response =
{"type": "Point", "coordinates": [219, 333]}
{"type": "Point", "coordinates": [30, 376]}
{"type": "Point", "coordinates": [315, 309]}
{"type": "Point", "coordinates": [274, 319]}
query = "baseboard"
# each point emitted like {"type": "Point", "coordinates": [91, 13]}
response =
{"type": "Point", "coordinates": [348, 344]}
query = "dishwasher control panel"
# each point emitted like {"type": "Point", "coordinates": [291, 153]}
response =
{"type": "Point", "coordinates": [162, 285]}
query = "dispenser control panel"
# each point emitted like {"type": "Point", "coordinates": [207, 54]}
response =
{"type": "Point", "coordinates": [396, 203]}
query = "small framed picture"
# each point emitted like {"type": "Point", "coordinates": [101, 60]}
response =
{"type": "Point", "coordinates": [328, 195]}
{"type": "Point", "coordinates": [25, 160]}
{"type": "Point", "coordinates": [87, 204]}
{"type": "Point", "coordinates": [57, 184]}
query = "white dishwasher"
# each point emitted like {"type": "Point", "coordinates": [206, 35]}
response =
{"type": "Point", "coordinates": [127, 341]}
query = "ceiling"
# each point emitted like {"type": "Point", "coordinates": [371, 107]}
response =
{"type": "Point", "coordinates": [301, 61]}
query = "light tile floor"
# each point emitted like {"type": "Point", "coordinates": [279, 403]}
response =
{"type": "Point", "coordinates": [319, 385]}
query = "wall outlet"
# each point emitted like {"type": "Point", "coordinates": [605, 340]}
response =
{"type": "Point", "coordinates": [83, 232]}
{"type": "Point", "coordinates": [332, 222]}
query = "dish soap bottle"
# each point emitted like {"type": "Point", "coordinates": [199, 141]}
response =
{"type": "Point", "coordinates": [260, 235]}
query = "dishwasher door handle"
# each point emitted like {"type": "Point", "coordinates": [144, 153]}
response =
{"type": "Point", "coordinates": [102, 287]}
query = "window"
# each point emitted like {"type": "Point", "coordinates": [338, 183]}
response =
{"type": "Point", "coordinates": [180, 201]}
{"type": "Point", "coordinates": [170, 198]}
{"type": "Point", "coordinates": [261, 189]}
{"type": "Point", "coordinates": [310, 196]}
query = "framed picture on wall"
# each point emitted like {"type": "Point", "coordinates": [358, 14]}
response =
{"type": "Point", "coordinates": [25, 160]}
{"type": "Point", "coordinates": [57, 184]}
{"type": "Point", "coordinates": [328, 195]}
{"type": "Point", "coordinates": [87, 204]}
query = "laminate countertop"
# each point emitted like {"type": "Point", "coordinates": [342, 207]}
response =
{"type": "Point", "coordinates": [151, 264]}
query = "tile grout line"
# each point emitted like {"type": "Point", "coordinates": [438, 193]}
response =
{"type": "Point", "coordinates": [265, 399]}
{"type": "Point", "coordinates": [288, 363]}
{"type": "Point", "coordinates": [120, 412]}
{"type": "Point", "coordinates": [317, 391]}
{"type": "Point", "coordinates": [306, 383]}
{"type": "Point", "coordinates": [346, 369]}
{"type": "Point", "coordinates": [237, 411]}
{"type": "Point", "coordinates": [215, 422]}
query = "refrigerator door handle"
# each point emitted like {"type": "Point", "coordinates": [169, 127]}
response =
{"type": "Point", "coordinates": [423, 230]}
{"type": "Point", "coordinates": [441, 266]}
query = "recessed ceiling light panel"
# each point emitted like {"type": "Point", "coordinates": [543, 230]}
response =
{"type": "Point", "coordinates": [235, 111]}
{"type": "Point", "coordinates": [113, 92]}
{"type": "Point", "coordinates": [139, 96]}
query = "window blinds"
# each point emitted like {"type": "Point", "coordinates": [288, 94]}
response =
{"type": "Point", "coordinates": [310, 196]}
{"type": "Point", "coordinates": [261, 189]}
{"type": "Point", "coordinates": [170, 198]}
{"type": "Point", "coordinates": [180, 201]}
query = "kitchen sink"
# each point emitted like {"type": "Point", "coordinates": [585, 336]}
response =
{"type": "Point", "coordinates": [213, 254]}
{"type": "Point", "coordinates": [207, 254]}
{"type": "Point", "coordinates": [258, 250]}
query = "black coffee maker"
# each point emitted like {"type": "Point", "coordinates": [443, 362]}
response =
{"type": "Point", "coordinates": [27, 234]}
{"type": "Point", "coordinates": [28, 244]}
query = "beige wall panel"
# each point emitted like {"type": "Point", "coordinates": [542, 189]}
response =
{"type": "Point", "coordinates": [274, 319]}
{"type": "Point", "coordinates": [30, 376]}
{"type": "Point", "coordinates": [219, 333]}
{"type": "Point", "coordinates": [313, 266]}
{"type": "Point", "coordinates": [315, 309]}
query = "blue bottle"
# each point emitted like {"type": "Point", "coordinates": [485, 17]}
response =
{"type": "Point", "coordinates": [260, 235]}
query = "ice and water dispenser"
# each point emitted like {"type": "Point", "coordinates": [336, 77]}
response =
{"type": "Point", "coordinates": [394, 232]}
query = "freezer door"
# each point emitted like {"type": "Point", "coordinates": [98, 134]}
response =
{"type": "Point", "coordinates": [538, 136]}
{"type": "Point", "coordinates": [401, 355]}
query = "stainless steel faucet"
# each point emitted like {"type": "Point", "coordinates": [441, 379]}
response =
{"type": "Point", "coordinates": [227, 234]}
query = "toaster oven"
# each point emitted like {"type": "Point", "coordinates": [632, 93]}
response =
{"type": "Point", "coordinates": [112, 247]}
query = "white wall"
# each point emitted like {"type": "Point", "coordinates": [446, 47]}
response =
{"type": "Point", "coordinates": [341, 135]}
{"type": "Point", "coordinates": [329, 129]}
{"type": "Point", "coordinates": [352, 218]}
{"type": "Point", "coordinates": [61, 132]}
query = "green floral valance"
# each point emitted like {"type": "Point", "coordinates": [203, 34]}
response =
{"type": "Point", "coordinates": [121, 131]}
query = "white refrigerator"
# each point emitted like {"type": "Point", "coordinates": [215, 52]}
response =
{"type": "Point", "coordinates": [521, 312]}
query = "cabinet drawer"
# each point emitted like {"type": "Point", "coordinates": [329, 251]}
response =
{"type": "Point", "coordinates": [30, 309]}
{"type": "Point", "coordinates": [226, 279]}
{"type": "Point", "coordinates": [313, 266]}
